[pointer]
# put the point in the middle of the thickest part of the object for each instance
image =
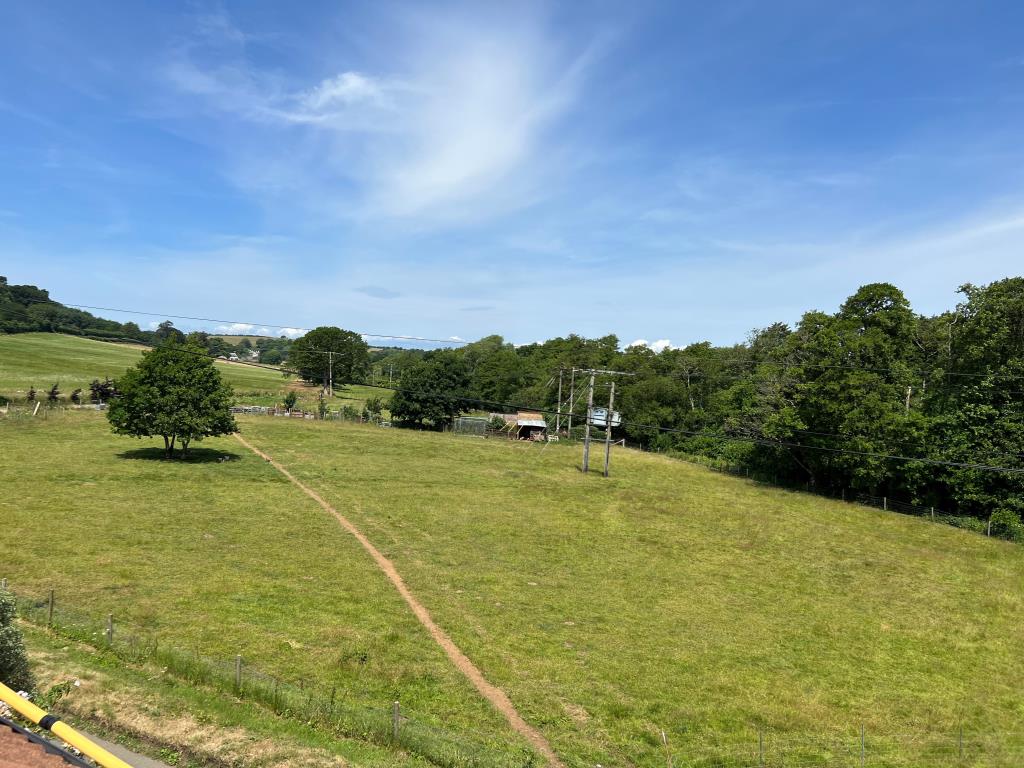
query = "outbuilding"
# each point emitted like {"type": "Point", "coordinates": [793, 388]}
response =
{"type": "Point", "coordinates": [530, 426]}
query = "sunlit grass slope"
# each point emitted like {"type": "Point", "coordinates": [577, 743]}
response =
{"type": "Point", "coordinates": [220, 558]}
{"type": "Point", "coordinates": [671, 598]}
{"type": "Point", "coordinates": [42, 359]}
{"type": "Point", "coordinates": [666, 598]}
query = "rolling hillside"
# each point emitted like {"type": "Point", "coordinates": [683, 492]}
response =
{"type": "Point", "coordinates": [664, 599]}
{"type": "Point", "coordinates": [40, 359]}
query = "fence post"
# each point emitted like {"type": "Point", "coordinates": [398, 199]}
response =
{"type": "Point", "coordinates": [110, 629]}
{"type": "Point", "coordinates": [395, 719]}
{"type": "Point", "coordinates": [3, 585]}
{"type": "Point", "coordinates": [334, 691]}
{"type": "Point", "coordinates": [932, 509]}
{"type": "Point", "coordinates": [49, 611]}
{"type": "Point", "coordinates": [238, 673]}
{"type": "Point", "coordinates": [668, 752]}
{"type": "Point", "coordinates": [885, 502]}
{"type": "Point", "coordinates": [988, 532]}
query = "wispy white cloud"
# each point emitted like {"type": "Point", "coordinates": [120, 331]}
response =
{"type": "Point", "coordinates": [459, 128]}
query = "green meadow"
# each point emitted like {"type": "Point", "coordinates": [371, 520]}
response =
{"type": "Point", "coordinates": [42, 359]}
{"type": "Point", "coordinates": [664, 612]}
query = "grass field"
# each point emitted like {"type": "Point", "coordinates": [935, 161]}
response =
{"type": "Point", "coordinates": [41, 359]}
{"type": "Point", "coordinates": [666, 598]}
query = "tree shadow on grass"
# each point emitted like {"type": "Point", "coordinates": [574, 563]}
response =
{"type": "Point", "coordinates": [194, 456]}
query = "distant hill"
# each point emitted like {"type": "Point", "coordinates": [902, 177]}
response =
{"type": "Point", "coordinates": [27, 308]}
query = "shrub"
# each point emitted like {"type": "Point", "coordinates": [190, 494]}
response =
{"type": "Point", "coordinates": [14, 669]}
{"type": "Point", "coordinates": [290, 400]}
{"type": "Point", "coordinates": [31, 396]}
{"type": "Point", "coordinates": [1006, 524]}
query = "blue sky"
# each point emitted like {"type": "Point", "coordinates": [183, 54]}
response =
{"type": "Point", "coordinates": [664, 171]}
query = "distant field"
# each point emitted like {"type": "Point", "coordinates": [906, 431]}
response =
{"type": "Point", "coordinates": [666, 598]}
{"type": "Point", "coordinates": [42, 359]}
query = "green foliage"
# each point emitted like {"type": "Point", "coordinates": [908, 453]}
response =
{"type": "Point", "coordinates": [102, 391]}
{"type": "Point", "coordinates": [174, 392]}
{"type": "Point", "coordinates": [1006, 524]}
{"type": "Point", "coordinates": [290, 399]}
{"type": "Point", "coordinates": [14, 669]}
{"type": "Point", "coordinates": [54, 394]}
{"type": "Point", "coordinates": [432, 391]}
{"type": "Point", "coordinates": [328, 349]}
{"type": "Point", "coordinates": [31, 395]}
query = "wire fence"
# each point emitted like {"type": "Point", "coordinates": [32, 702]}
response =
{"type": "Point", "coordinates": [329, 707]}
{"type": "Point", "coordinates": [886, 503]}
{"type": "Point", "coordinates": [339, 712]}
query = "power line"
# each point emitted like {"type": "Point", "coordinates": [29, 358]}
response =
{"type": "Point", "coordinates": [239, 322]}
{"type": "Point", "coordinates": [767, 442]}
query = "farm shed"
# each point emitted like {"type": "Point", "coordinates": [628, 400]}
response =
{"type": "Point", "coordinates": [530, 426]}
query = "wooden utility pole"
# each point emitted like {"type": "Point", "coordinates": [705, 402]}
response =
{"type": "Point", "coordinates": [572, 397]}
{"type": "Point", "coordinates": [590, 412]}
{"type": "Point", "coordinates": [608, 430]}
{"type": "Point", "coordinates": [558, 416]}
{"type": "Point", "coordinates": [586, 434]}
{"type": "Point", "coordinates": [330, 374]}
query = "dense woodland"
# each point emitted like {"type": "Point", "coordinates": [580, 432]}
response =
{"type": "Point", "coordinates": [819, 405]}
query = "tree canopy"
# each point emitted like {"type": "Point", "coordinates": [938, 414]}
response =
{"type": "Point", "coordinates": [432, 391]}
{"type": "Point", "coordinates": [327, 348]}
{"type": "Point", "coordinates": [819, 405]}
{"type": "Point", "coordinates": [175, 392]}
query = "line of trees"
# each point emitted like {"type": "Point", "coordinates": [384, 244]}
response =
{"type": "Point", "coordinates": [811, 405]}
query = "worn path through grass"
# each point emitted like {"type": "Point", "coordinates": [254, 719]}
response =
{"type": "Point", "coordinates": [670, 598]}
{"type": "Point", "coordinates": [219, 555]}
{"type": "Point", "coordinates": [497, 697]}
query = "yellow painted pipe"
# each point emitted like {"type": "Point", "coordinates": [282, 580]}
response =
{"type": "Point", "coordinates": [61, 730]}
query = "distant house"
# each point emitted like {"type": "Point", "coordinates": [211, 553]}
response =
{"type": "Point", "coordinates": [233, 357]}
{"type": "Point", "coordinates": [530, 426]}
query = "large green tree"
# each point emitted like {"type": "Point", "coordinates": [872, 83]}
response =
{"type": "Point", "coordinates": [433, 391]}
{"type": "Point", "coordinates": [327, 351]}
{"type": "Point", "coordinates": [175, 392]}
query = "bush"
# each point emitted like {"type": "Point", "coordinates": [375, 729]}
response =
{"type": "Point", "coordinates": [290, 399]}
{"type": "Point", "coordinates": [14, 669]}
{"type": "Point", "coordinates": [1006, 524]}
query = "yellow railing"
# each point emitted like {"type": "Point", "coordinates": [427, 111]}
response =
{"type": "Point", "coordinates": [60, 729]}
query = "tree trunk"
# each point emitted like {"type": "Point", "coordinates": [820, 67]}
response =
{"type": "Point", "coordinates": [167, 447]}
{"type": "Point", "coordinates": [184, 447]}
{"type": "Point", "coordinates": [170, 450]}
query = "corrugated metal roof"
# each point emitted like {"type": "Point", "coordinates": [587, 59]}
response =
{"type": "Point", "coordinates": [532, 423]}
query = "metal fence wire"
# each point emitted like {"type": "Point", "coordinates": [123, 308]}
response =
{"type": "Point", "coordinates": [344, 713]}
{"type": "Point", "coordinates": [332, 708]}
